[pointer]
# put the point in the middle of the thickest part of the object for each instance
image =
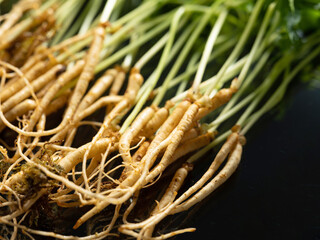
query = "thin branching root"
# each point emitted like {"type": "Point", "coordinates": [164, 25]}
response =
{"type": "Point", "coordinates": [105, 109]}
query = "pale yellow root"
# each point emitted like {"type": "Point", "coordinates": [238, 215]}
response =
{"type": "Point", "coordinates": [136, 158]}
{"type": "Point", "coordinates": [26, 92]}
{"type": "Point", "coordinates": [192, 133]}
{"type": "Point", "coordinates": [99, 87]}
{"type": "Point", "coordinates": [125, 141]}
{"type": "Point", "coordinates": [69, 41]}
{"type": "Point", "coordinates": [170, 123]}
{"type": "Point", "coordinates": [218, 180]}
{"type": "Point", "coordinates": [117, 85]}
{"type": "Point", "coordinates": [227, 147]}
{"type": "Point", "coordinates": [96, 236]}
{"type": "Point", "coordinates": [163, 236]}
{"type": "Point", "coordinates": [73, 158]}
{"type": "Point", "coordinates": [132, 178]}
{"type": "Point", "coordinates": [91, 60]}
{"type": "Point", "coordinates": [222, 97]}
{"type": "Point", "coordinates": [17, 111]}
{"type": "Point", "coordinates": [101, 169]}
{"type": "Point", "coordinates": [40, 127]}
{"type": "Point", "coordinates": [42, 92]}
{"type": "Point", "coordinates": [138, 155]}
{"type": "Point", "coordinates": [135, 81]}
{"type": "Point", "coordinates": [170, 194]}
{"type": "Point", "coordinates": [131, 206]}
{"type": "Point", "coordinates": [104, 101]}
{"type": "Point", "coordinates": [36, 85]}
{"type": "Point", "coordinates": [25, 207]}
{"type": "Point", "coordinates": [29, 45]}
{"type": "Point", "coordinates": [191, 145]}
{"type": "Point", "coordinates": [175, 138]}
{"type": "Point", "coordinates": [16, 13]}
{"type": "Point", "coordinates": [155, 123]}
{"type": "Point", "coordinates": [30, 75]}
{"type": "Point", "coordinates": [94, 163]}
{"type": "Point", "coordinates": [136, 178]}
{"type": "Point", "coordinates": [58, 103]}
{"type": "Point", "coordinates": [182, 150]}
{"type": "Point", "coordinates": [52, 91]}
{"type": "Point", "coordinates": [118, 82]}
{"type": "Point", "coordinates": [15, 31]}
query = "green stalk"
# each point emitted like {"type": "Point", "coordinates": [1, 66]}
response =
{"type": "Point", "coordinates": [107, 10]}
{"type": "Point", "coordinates": [67, 19]}
{"type": "Point", "coordinates": [136, 25]}
{"type": "Point", "coordinates": [227, 114]}
{"type": "Point", "coordinates": [151, 52]}
{"type": "Point", "coordinates": [173, 30]}
{"type": "Point", "coordinates": [91, 11]}
{"type": "Point", "coordinates": [115, 38]}
{"type": "Point", "coordinates": [121, 53]}
{"type": "Point", "coordinates": [177, 46]}
{"type": "Point", "coordinates": [75, 27]}
{"type": "Point", "coordinates": [278, 68]}
{"type": "Point", "coordinates": [257, 43]}
{"type": "Point", "coordinates": [203, 22]}
{"type": "Point", "coordinates": [220, 50]}
{"type": "Point", "coordinates": [279, 93]}
{"type": "Point", "coordinates": [193, 61]}
{"type": "Point", "coordinates": [230, 73]}
{"type": "Point", "coordinates": [224, 114]}
{"type": "Point", "coordinates": [146, 7]}
{"type": "Point", "coordinates": [238, 48]}
{"type": "Point", "coordinates": [24, 25]}
{"type": "Point", "coordinates": [208, 49]}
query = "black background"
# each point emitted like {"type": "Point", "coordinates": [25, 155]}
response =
{"type": "Point", "coordinates": [275, 193]}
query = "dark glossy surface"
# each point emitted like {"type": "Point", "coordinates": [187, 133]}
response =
{"type": "Point", "coordinates": [275, 192]}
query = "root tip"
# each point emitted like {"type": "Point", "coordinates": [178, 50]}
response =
{"type": "Point", "coordinates": [78, 224]}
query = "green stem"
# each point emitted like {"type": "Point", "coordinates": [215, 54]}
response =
{"type": "Point", "coordinates": [279, 93]}
{"type": "Point", "coordinates": [193, 61]}
{"type": "Point", "coordinates": [91, 11]}
{"type": "Point", "coordinates": [208, 49]}
{"type": "Point", "coordinates": [238, 48]}
{"type": "Point", "coordinates": [67, 19]}
{"type": "Point", "coordinates": [177, 46]}
{"type": "Point", "coordinates": [220, 50]}
{"type": "Point", "coordinates": [256, 44]}
{"type": "Point", "coordinates": [151, 52]}
{"type": "Point", "coordinates": [122, 52]}
{"type": "Point", "coordinates": [231, 111]}
{"type": "Point", "coordinates": [107, 11]}
{"type": "Point", "coordinates": [203, 22]}
{"type": "Point", "coordinates": [230, 73]}
{"type": "Point", "coordinates": [173, 30]}
{"type": "Point", "coordinates": [278, 68]}
{"type": "Point", "coordinates": [146, 7]}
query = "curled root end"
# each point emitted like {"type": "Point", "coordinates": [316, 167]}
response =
{"type": "Point", "coordinates": [78, 224]}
